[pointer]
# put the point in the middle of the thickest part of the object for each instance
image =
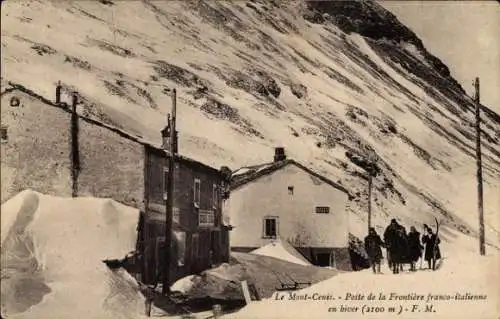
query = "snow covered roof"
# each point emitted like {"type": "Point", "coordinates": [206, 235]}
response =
{"type": "Point", "coordinates": [247, 174]}
{"type": "Point", "coordinates": [282, 250]}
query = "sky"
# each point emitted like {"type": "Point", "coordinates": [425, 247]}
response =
{"type": "Point", "coordinates": [464, 35]}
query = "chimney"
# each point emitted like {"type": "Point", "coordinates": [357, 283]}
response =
{"type": "Point", "coordinates": [171, 141]}
{"type": "Point", "coordinates": [279, 154]}
{"type": "Point", "coordinates": [58, 92]}
{"type": "Point", "coordinates": [165, 135]}
{"type": "Point", "coordinates": [226, 173]}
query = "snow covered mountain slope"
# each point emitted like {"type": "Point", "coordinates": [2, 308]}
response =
{"type": "Point", "coordinates": [335, 83]}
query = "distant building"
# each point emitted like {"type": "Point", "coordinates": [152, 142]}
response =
{"type": "Point", "coordinates": [48, 148]}
{"type": "Point", "coordinates": [284, 199]}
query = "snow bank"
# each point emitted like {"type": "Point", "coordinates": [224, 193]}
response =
{"type": "Point", "coordinates": [23, 203]}
{"type": "Point", "coordinates": [282, 250]}
{"type": "Point", "coordinates": [52, 252]}
{"type": "Point", "coordinates": [183, 285]}
{"type": "Point", "coordinates": [462, 272]}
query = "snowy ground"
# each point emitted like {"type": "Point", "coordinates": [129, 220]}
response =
{"type": "Point", "coordinates": [463, 273]}
{"type": "Point", "coordinates": [52, 252]}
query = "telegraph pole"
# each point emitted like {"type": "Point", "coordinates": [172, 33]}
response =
{"type": "Point", "coordinates": [75, 153]}
{"type": "Point", "coordinates": [170, 197]}
{"type": "Point", "coordinates": [482, 249]}
{"type": "Point", "coordinates": [371, 172]}
{"type": "Point", "coordinates": [370, 179]}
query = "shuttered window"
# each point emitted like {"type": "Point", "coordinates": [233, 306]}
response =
{"type": "Point", "coordinates": [270, 225]}
{"type": "Point", "coordinates": [197, 192]}
{"type": "Point", "coordinates": [215, 196]}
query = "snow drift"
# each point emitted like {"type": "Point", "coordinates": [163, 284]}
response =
{"type": "Point", "coordinates": [52, 251]}
{"type": "Point", "coordinates": [282, 250]}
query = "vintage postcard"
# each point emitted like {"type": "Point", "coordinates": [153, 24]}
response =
{"type": "Point", "coordinates": [250, 159]}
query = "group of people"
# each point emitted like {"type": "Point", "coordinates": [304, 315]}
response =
{"type": "Point", "coordinates": [402, 247]}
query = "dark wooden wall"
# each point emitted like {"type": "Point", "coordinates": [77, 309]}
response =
{"type": "Point", "coordinates": [204, 246]}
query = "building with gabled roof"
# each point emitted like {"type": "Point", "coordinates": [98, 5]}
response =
{"type": "Point", "coordinates": [48, 147]}
{"type": "Point", "coordinates": [286, 200]}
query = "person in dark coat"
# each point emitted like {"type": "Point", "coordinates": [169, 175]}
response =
{"type": "Point", "coordinates": [373, 247]}
{"type": "Point", "coordinates": [404, 247]}
{"type": "Point", "coordinates": [399, 249]}
{"type": "Point", "coordinates": [432, 251]}
{"type": "Point", "coordinates": [391, 244]}
{"type": "Point", "coordinates": [415, 248]}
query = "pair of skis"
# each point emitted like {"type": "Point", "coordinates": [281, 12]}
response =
{"type": "Point", "coordinates": [434, 247]}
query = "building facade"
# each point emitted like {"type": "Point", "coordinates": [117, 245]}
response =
{"type": "Point", "coordinates": [285, 200]}
{"type": "Point", "coordinates": [201, 240]}
{"type": "Point", "coordinates": [47, 147]}
{"type": "Point", "coordinates": [38, 153]}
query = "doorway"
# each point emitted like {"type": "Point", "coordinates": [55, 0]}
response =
{"type": "Point", "coordinates": [323, 259]}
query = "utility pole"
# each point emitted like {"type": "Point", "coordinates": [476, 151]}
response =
{"type": "Point", "coordinates": [370, 179]}
{"type": "Point", "coordinates": [75, 149]}
{"type": "Point", "coordinates": [170, 197]}
{"type": "Point", "coordinates": [482, 249]}
{"type": "Point", "coordinates": [371, 172]}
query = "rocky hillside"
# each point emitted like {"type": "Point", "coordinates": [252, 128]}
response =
{"type": "Point", "coordinates": [342, 85]}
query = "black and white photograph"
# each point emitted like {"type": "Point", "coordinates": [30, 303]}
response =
{"type": "Point", "coordinates": [250, 159]}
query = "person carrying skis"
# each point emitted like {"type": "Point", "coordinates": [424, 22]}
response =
{"type": "Point", "coordinates": [432, 251]}
{"type": "Point", "coordinates": [373, 245]}
{"type": "Point", "coordinates": [415, 247]}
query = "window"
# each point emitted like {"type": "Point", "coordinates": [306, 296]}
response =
{"type": "Point", "coordinates": [195, 244]}
{"type": "Point", "coordinates": [322, 210]}
{"type": "Point", "coordinates": [215, 196]}
{"type": "Point", "coordinates": [290, 190]}
{"type": "Point", "coordinates": [206, 218]}
{"type": "Point", "coordinates": [3, 133]}
{"type": "Point", "coordinates": [180, 238]}
{"type": "Point", "coordinates": [165, 183]}
{"type": "Point", "coordinates": [270, 227]}
{"type": "Point", "coordinates": [197, 192]}
{"type": "Point", "coordinates": [176, 215]}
